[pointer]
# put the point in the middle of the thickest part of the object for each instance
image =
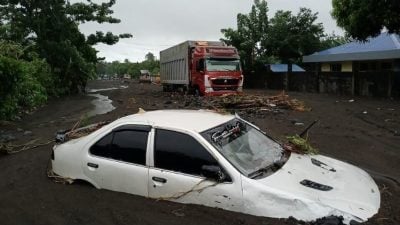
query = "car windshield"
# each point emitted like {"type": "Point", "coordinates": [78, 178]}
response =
{"type": "Point", "coordinates": [244, 146]}
{"type": "Point", "coordinates": [214, 64]}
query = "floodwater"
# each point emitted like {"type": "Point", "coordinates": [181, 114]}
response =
{"type": "Point", "coordinates": [102, 104]}
{"type": "Point", "coordinates": [106, 89]}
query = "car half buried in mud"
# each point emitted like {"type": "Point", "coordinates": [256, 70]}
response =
{"type": "Point", "coordinates": [207, 158]}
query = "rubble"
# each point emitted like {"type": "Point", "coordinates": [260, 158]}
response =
{"type": "Point", "coordinates": [246, 102]}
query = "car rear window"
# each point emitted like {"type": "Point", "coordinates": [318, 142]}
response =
{"type": "Point", "coordinates": [125, 145]}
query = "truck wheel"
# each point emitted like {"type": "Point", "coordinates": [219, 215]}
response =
{"type": "Point", "coordinates": [197, 92]}
{"type": "Point", "coordinates": [164, 88]}
{"type": "Point", "coordinates": [185, 90]}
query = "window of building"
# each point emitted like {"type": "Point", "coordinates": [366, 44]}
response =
{"type": "Point", "coordinates": [386, 66]}
{"type": "Point", "coordinates": [373, 66]}
{"type": "Point", "coordinates": [180, 152]}
{"type": "Point", "coordinates": [124, 145]}
{"type": "Point", "coordinates": [363, 66]}
{"type": "Point", "coordinates": [337, 67]}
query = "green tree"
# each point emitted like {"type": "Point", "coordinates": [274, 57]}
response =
{"type": "Point", "coordinates": [333, 40]}
{"type": "Point", "coordinates": [51, 27]}
{"type": "Point", "coordinates": [150, 57]}
{"type": "Point", "coordinates": [364, 18]}
{"type": "Point", "coordinates": [251, 30]}
{"type": "Point", "coordinates": [24, 78]}
{"type": "Point", "coordinates": [292, 36]}
{"type": "Point", "coordinates": [126, 67]}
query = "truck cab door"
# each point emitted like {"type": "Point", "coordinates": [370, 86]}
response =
{"type": "Point", "coordinates": [198, 72]}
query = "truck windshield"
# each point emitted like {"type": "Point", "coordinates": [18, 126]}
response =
{"type": "Point", "coordinates": [215, 64]}
{"type": "Point", "coordinates": [245, 147]}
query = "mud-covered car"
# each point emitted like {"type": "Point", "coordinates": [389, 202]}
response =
{"type": "Point", "coordinates": [217, 160]}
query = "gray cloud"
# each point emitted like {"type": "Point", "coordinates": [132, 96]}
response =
{"type": "Point", "coordinates": [158, 24]}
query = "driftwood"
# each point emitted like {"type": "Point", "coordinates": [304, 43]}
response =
{"type": "Point", "coordinates": [75, 132]}
{"type": "Point", "coordinates": [56, 178]}
{"type": "Point", "coordinates": [10, 148]}
{"type": "Point", "coordinates": [244, 101]}
{"type": "Point", "coordinates": [247, 102]}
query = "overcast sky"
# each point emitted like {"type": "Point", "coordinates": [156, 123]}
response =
{"type": "Point", "coordinates": [159, 24]}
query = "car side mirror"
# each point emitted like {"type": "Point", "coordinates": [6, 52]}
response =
{"type": "Point", "coordinates": [214, 172]}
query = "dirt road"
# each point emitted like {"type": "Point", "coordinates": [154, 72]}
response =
{"type": "Point", "coordinates": [362, 131]}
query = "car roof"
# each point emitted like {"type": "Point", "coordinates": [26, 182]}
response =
{"type": "Point", "coordinates": [192, 120]}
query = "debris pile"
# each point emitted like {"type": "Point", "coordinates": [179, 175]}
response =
{"type": "Point", "coordinates": [281, 101]}
{"type": "Point", "coordinates": [65, 135]}
{"type": "Point", "coordinates": [248, 102]}
{"type": "Point", "coordinates": [300, 145]}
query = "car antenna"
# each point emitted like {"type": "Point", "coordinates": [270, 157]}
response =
{"type": "Point", "coordinates": [308, 128]}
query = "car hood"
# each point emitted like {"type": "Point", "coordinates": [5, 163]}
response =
{"type": "Point", "coordinates": [329, 183]}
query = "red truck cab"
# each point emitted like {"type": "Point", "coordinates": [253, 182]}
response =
{"type": "Point", "coordinates": [215, 70]}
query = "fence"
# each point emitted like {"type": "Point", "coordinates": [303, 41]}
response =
{"type": "Point", "coordinates": [378, 83]}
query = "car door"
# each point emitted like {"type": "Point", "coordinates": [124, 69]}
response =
{"type": "Point", "coordinates": [117, 161]}
{"type": "Point", "coordinates": [177, 175]}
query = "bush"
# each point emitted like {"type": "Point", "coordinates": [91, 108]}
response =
{"type": "Point", "coordinates": [23, 83]}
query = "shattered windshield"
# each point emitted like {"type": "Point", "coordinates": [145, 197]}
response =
{"type": "Point", "coordinates": [222, 64]}
{"type": "Point", "coordinates": [245, 147]}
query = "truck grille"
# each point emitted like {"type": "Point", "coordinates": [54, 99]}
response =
{"type": "Point", "coordinates": [225, 81]}
{"type": "Point", "coordinates": [224, 88]}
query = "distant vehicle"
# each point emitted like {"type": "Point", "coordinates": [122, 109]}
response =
{"type": "Point", "coordinates": [145, 76]}
{"type": "Point", "coordinates": [203, 67]}
{"type": "Point", "coordinates": [201, 157]}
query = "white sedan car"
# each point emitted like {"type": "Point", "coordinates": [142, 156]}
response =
{"type": "Point", "coordinates": [202, 157]}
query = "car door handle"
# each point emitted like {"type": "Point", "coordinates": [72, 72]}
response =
{"type": "Point", "coordinates": [159, 179]}
{"type": "Point", "coordinates": [93, 165]}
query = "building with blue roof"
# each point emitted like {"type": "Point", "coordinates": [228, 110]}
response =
{"type": "Point", "coordinates": [383, 47]}
{"type": "Point", "coordinates": [373, 66]}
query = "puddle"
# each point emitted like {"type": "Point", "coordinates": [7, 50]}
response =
{"type": "Point", "coordinates": [106, 89]}
{"type": "Point", "coordinates": [102, 105]}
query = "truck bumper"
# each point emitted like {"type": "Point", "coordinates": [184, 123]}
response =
{"type": "Point", "coordinates": [231, 90]}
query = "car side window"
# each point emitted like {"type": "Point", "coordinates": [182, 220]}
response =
{"type": "Point", "coordinates": [129, 146]}
{"type": "Point", "coordinates": [124, 145]}
{"type": "Point", "coordinates": [180, 152]}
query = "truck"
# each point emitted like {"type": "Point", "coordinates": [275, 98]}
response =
{"type": "Point", "coordinates": [201, 67]}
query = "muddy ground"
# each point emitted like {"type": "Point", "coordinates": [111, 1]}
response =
{"type": "Point", "coordinates": [361, 131]}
